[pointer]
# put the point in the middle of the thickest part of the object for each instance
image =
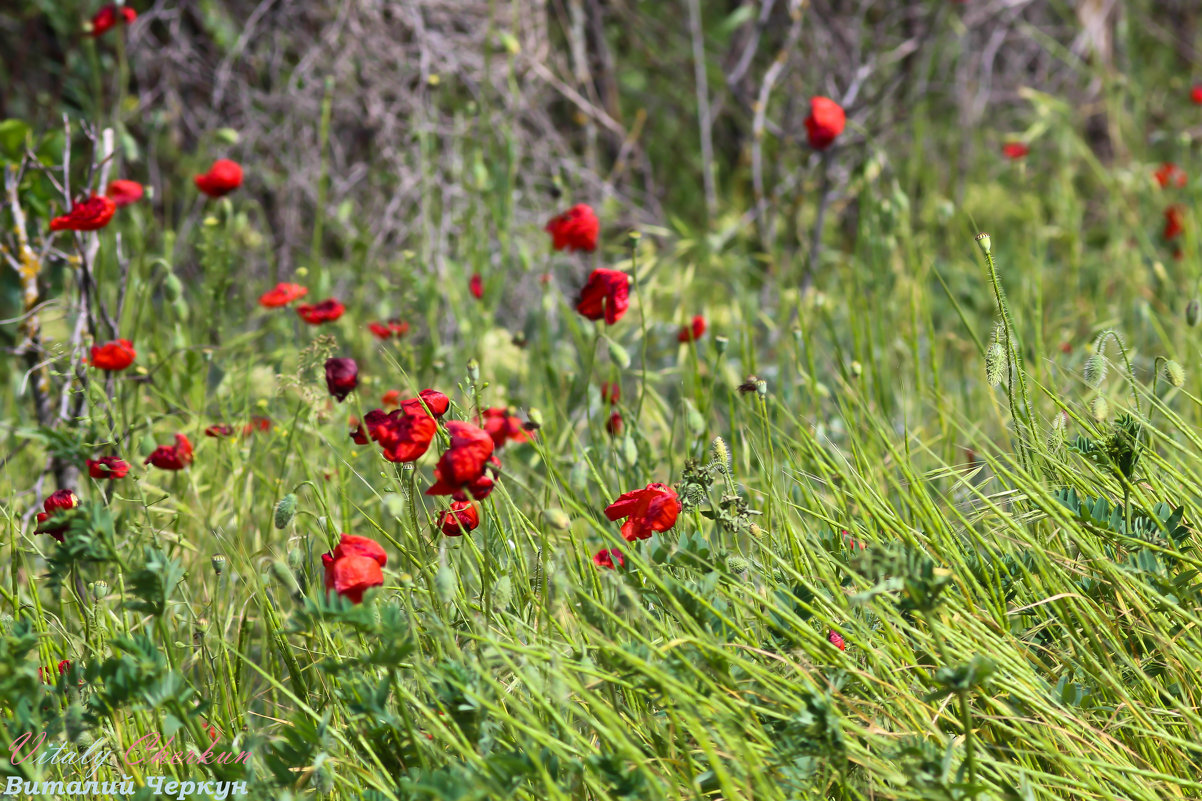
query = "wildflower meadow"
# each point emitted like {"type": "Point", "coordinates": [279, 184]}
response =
{"type": "Point", "coordinates": [588, 399]}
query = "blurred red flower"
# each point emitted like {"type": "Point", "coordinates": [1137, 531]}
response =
{"type": "Point", "coordinates": [219, 430]}
{"type": "Point", "coordinates": [257, 423]}
{"type": "Point", "coordinates": [281, 295]}
{"type": "Point", "coordinates": [479, 488]}
{"type": "Point", "coordinates": [342, 376]}
{"type": "Point", "coordinates": [614, 424]}
{"type": "Point", "coordinates": [1174, 222]}
{"type": "Point", "coordinates": [503, 427]}
{"type": "Point", "coordinates": [651, 509]}
{"type": "Point", "coordinates": [459, 519]}
{"type": "Point", "coordinates": [108, 16]}
{"type": "Point", "coordinates": [59, 501]}
{"type": "Point", "coordinates": [693, 331]}
{"type": "Point", "coordinates": [354, 566]}
{"type": "Point", "coordinates": [404, 437]}
{"type": "Point", "coordinates": [392, 328]}
{"type": "Point", "coordinates": [222, 178]}
{"type": "Point", "coordinates": [575, 229]}
{"type": "Point", "coordinates": [432, 399]}
{"type": "Point", "coordinates": [63, 667]}
{"type": "Point", "coordinates": [610, 558]}
{"type": "Point", "coordinates": [116, 355]}
{"type": "Point", "coordinates": [464, 461]}
{"type": "Point", "coordinates": [476, 285]}
{"type": "Point", "coordinates": [611, 391]}
{"type": "Point", "coordinates": [1170, 174]}
{"type": "Point", "coordinates": [836, 639]}
{"type": "Point", "coordinates": [86, 215]}
{"type": "Point", "coordinates": [1015, 150]}
{"type": "Point", "coordinates": [172, 457]}
{"type": "Point", "coordinates": [123, 192]}
{"type": "Point", "coordinates": [325, 312]}
{"type": "Point", "coordinates": [826, 121]}
{"type": "Point", "coordinates": [110, 467]}
{"type": "Point", "coordinates": [607, 294]}
{"type": "Point", "coordinates": [1195, 95]}
{"type": "Point", "coordinates": [391, 399]}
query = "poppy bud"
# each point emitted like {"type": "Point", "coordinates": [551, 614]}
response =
{"type": "Point", "coordinates": [172, 287]}
{"type": "Point", "coordinates": [445, 584]}
{"type": "Point", "coordinates": [473, 371]}
{"type": "Point", "coordinates": [736, 564]}
{"type": "Point", "coordinates": [557, 518]}
{"type": "Point", "coordinates": [619, 354]}
{"type": "Point", "coordinates": [1193, 312]}
{"type": "Point", "coordinates": [502, 592]}
{"type": "Point", "coordinates": [1100, 408]}
{"type": "Point", "coordinates": [994, 364]}
{"type": "Point", "coordinates": [1095, 371]}
{"type": "Point", "coordinates": [98, 590]}
{"type": "Point", "coordinates": [1174, 373]}
{"type": "Point", "coordinates": [342, 376]}
{"type": "Point", "coordinates": [218, 562]}
{"type": "Point", "coordinates": [285, 510]}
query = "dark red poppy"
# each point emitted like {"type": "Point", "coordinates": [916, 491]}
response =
{"type": "Point", "coordinates": [354, 566]}
{"type": "Point", "coordinates": [325, 312]}
{"type": "Point", "coordinates": [380, 330]}
{"type": "Point", "coordinates": [611, 391]}
{"type": "Point", "coordinates": [110, 467]}
{"type": "Point", "coordinates": [476, 285]}
{"type": "Point", "coordinates": [459, 519]}
{"type": "Point", "coordinates": [609, 558]}
{"type": "Point", "coordinates": [693, 331]}
{"type": "Point", "coordinates": [614, 424]}
{"type": "Point", "coordinates": [1174, 222]}
{"type": "Point", "coordinates": [1195, 95]}
{"type": "Point", "coordinates": [1170, 174]}
{"type": "Point", "coordinates": [124, 193]}
{"type": "Point", "coordinates": [281, 295]}
{"type": "Point", "coordinates": [63, 667]}
{"type": "Point", "coordinates": [113, 356]}
{"type": "Point", "coordinates": [651, 509]}
{"type": "Point", "coordinates": [257, 423]}
{"type": "Point", "coordinates": [825, 122]}
{"type": "Point", "coordinates": [218, 430]}
{"type": "Point", "coordinates": [836, 639]}
{"type": "Point", "coordinates": [373, 420]}
{"type": "Point", "coordinates": [1015, 150]}
{"type": "Point", "coordinates": [86, 215]}
{"type": "Point", "coordinates": [172, 457]}
{"type": "Point", "coordinates": [59, 501]}
{"type": "Point", "coordinates": [404, 437]}
{"type": "Point", "coordinates": [575, 229]}
{"type": "Point", "coordinates": [481, 487]}
{"type": "Point", "coordinates": [606, 295]}
{"type": "Point", "coordinates": [431, 399]}
{"type": "Point", "coordinates": [109, 16]}
{"type": "Point", "coordinates": [464, 461]}
{"type": "Point", "coordinates": [222, 178]}
{"type": "Point", "coordinates": [342, 376]}
{"type": "Point", "coordinates": [503, 427]}
{"type": "Point", "coordinates": [392, 328]}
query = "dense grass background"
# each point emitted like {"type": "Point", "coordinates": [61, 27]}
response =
{"type": "Point", "coordinates": [1003, 639]}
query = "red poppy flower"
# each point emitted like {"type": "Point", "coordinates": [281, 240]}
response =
{"type": "Point", "coordinates": [1015, 150]}
{"type": "Point", "coordinates": [607, 294]}
{"type": "Point", "coordinates": [59, 501]}
{"type": "Point", "coordinates": [281, 295]}
{"type": "Point", "coordinates": [575, 229]}
{"type": "Point", "coordinates": [86, 215]}
{"type": "Point", "coordinates": [693, 331]}
{"type": "Point", "coordinates": [503, 427]}
{"type": "Point", "coordinates": [476, 285]}
{"type": "Point", "coordinates": [354, 566]}
{"type": "Point", "coordinates": [124, 193]}
{"type": "Point", "coordinates": [110, 467]}
{"type": "Point", "coordinates": [431, 399]}
{"type": "Point", "coordinates": [392, 328]}
{"type": "Point", "coordinates": [836, 639]}
{"type": "Point", "coordinates": [1174, 222]}
{"type": "Point", "coordinates": [172, 457]}
{"type": "Point", "coordinates": [116, 355]}
{"type": "Point", "coordinates": [464, 461]}
{"type": "Point", "coordinates": [479, 488]}
{"type": "Point", "coordinates": [404, 437]}
{"type": "Point", "coordinates": [609, 558]}
{"type": "Point", "coordinates": [222, 178]}
{"type": "Point", "coordinates": [649, 510]}
{"type": "Point", "coordinates": [611, 391]}
{"type": "Point", "coordinates": [1195, 95]}
{"type": "Point", "coordinates": [107, 18]}
{"type": "Point", "coordinates": [825, 122]}
{"type": "Point", "coordinates": [63, 667]}
{"type": "Point", "coordinates": [342, 376]}
{"type": "Point", "coordinates": [380, 330]}
{"type": "Point", "coordinates": [218, 430]}
{"type": "Point", "coordinates": [1170, 174]}
{"type": "Point", "coordinates": [373, 420]}
{"type": "Point", "coordinates": [391, 399]}
{"type": "Point", "coordinates": [459, 519]}
{"type": "Point", "coordinates": [614, 424]}
{"type": "Point", "coordinates": [325, 312]}
{"type": "Point", "coordinates": [257, 423]}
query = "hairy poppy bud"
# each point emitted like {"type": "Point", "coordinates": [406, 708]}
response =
{"type": "Point", "coordinates": [1174, 373]}
{"type": "Point", "coordinates": [445, 584]}
{"type": "Point", "coordinates": [172, 287]}
{"type": "Point", "coordinates": [736, 564]}
{"type": "Point", "coordinates": [1193, 312]}
{"type": "Point", "coordinates": [619, 354]}
{"type": "Point", "coordinates": [1095, 371]}
{"type": "Point", "coordinates": [557, 518]}
{"type": "Point", "coordinates": [285, 510]}
{"type": "Point", "coordinates": [994, 364]}
{"type": "Point", "coordinates": [502, 592]}
{"type": "Point", "coordinates": [1100, 408]}
{"type": "Point", "coordinates": [218, 562]}
{"type": "Point", "coordinates": [473, 371]}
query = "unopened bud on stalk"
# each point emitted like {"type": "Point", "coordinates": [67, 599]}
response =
{"type": "Point", "coordinates": [1193, 312]}
{"type": "Point", "coordinates": [1174, 373]}
{"type": "Point", "coordinates": [473, 371]}
{"type": "Point", "coordinates": [98, 590]}
{"type": "Point", "coordinates": [736, 564]}
{"type": "Point", "coordinates": [218, 562]}
{"type": "Point", "coordinates": [1095, 371]}
{"type": "Point", "coordinates": [995, 368]}
{"type": "Point", "coordinates": [557, 518]}
{"type": "Point", "coordinates": [1100, 408]}
{"type": "Point", "coordinates": [857, 369]}
{"type": "Point", "coordinates": [285, 510]}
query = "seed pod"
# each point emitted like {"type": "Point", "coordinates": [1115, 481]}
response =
{"type": "Point", "coordinates": [720, 344]}
{"type": "Point", "coordinates": [1100, 408]}
{"type": "Point", "coordinates": [1193, 312]}
{"type": "Point", "coordinates": [218, 562]}
{"type": "Point", "coordinates": [984, 243]}
{"type": "Point", "coordinates": [1174, 373]}
{"type": "Point", "coordinates": [761, 388]}
{"type": "Point", "coordinates": [98, 590]}
{"type": "Point", "coordinates": [1095, 371]}
{"type": "Point", "coordinates": [994, 364]}
{"type": "Point", "coordinates": [285, 510]}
